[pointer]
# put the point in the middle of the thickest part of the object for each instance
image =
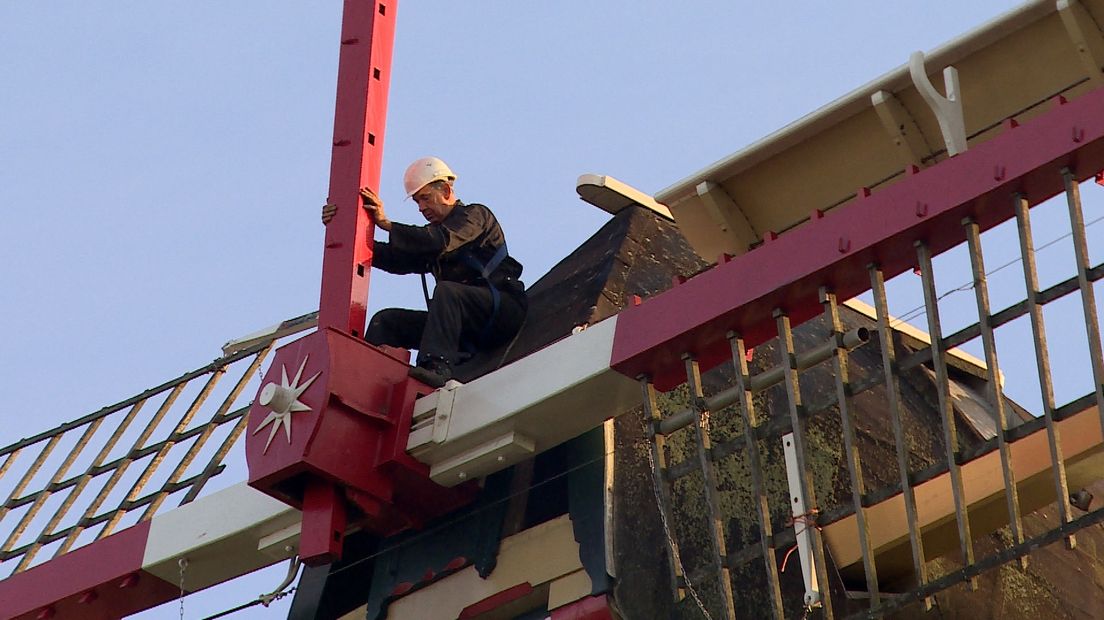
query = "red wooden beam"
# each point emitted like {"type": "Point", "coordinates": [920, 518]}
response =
{"type": "Point", "coordinates": [590, 608]}
{"type": "Point", "coordinates": [363, 76]}
{"type": "Point", "coordinates": [834, 250]}
{"type": "Point", "coordinates": [105, 579]}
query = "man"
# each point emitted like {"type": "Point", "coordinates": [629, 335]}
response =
{"type": "Point", "coordinates": [478, 302]}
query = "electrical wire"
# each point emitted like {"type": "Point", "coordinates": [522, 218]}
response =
{"type": "Point", "coordinates": [253, 603]}
{"type": "Point", "coordinates": [921, 310]}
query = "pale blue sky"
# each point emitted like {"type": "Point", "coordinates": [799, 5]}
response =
{"type": "Point", "coordinates": [163, 164]}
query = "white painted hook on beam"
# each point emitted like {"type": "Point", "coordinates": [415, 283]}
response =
{"type": "Point", "coordinates": [948, 110]}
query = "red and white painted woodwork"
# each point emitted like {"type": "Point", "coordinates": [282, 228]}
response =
{"type": "Point", "coordinates": [137, 568]}
{"type": "Point", "coordinates": [342, 455]}
{"type": "Point", "coordinates": [101, 580]}
{"type": "Point", "coordinates": [347, 452]}
{"type": "Point", "coordinates": [835, 248]}
{"type": "Point", "coordinates": [740, 294]}
{"type": "Point", "coordinates": [360, 115]}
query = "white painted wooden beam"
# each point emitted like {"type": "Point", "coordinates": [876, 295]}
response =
{"type": "Point", "coordinates": [612, 195]}
{"type": "Point", "coordinates": [220, 536]}
{"type": "Point", "coordinates": [468, 430]}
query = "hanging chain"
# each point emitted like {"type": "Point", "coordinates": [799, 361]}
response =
{"type": "Point", "coordinates": [183, 563]}
{"type": "Point", "coordinates": [667, 531]}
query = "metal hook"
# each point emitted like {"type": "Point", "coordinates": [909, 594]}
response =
{"type": "Point", "coordinates": [948, 110]}
{"type": "Point", "coordinates": [278, 593]}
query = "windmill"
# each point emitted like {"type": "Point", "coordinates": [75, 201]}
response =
{"type": "Point", "coordinates": [818, 254]}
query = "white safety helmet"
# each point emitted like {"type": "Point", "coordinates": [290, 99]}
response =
{"type": "Point", "coordinates": [425, 171]}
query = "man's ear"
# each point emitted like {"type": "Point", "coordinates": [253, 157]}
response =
{"type": "Point", "coordinates": [447, 191]}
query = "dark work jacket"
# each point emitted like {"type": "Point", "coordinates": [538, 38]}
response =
{"type": "Point", "coordinates": [439, 248]}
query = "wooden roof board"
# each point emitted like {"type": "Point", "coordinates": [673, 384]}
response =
{"type": "Point", "coordinates": [984, 489]}
{"type": "Point", "coordinates": [1005, 67]}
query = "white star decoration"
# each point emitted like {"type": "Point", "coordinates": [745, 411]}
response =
{"type": "Point", "coordinates": [283, 400]}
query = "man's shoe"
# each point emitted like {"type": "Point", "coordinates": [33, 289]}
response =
{"type": "Point", "coordinates": [434, 376]}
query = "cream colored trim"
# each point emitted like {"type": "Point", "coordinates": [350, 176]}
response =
{"type": "Point", "coordinates": [983, 485]}
{"type": "Point", "coordinates": [537, 556]}
{"type": "Point", "coordinates": [503, 417]}
{"type": "Point", "coordinates": [901, 127]}
{"type": "Point", "coordinates": [947, 109]}
{"type": "Point", "coordinates": [568, 589]}
{"type": "Point", "coordinates": [1085, 36]}
{"type": "Point", "coordinates": [729, 217]}
{"type": "Point", "coordinates": [609, 431]}
{"type": "Point", "coordinates": [273, 332]}
{"type": "Point", "coordinates": [823, 160]}
{"type": "Point", "coordinates": [612, 195]}
{"type": "Point", "coordinates": [857, 100]}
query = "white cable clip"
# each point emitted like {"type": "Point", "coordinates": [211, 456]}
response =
{"type": "Point", "coordinates": [947, 110]}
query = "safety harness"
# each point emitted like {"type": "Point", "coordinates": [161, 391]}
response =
{"type": "Point", "coordinates": [485, 271]}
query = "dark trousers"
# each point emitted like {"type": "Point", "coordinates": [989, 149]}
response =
{"type": "Point", "coordinates": [458, 315]}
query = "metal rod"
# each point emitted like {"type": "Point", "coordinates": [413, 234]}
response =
{"type": "Point", "coordinates": [797, 418]}
{"type": "Point", "coordinates": [1088, 296]}
{"type": "Point", "coordinates": [200, 441]}
{"type": "Point", "coordinates": [214, 366]}
{"type": "Point", "coordinates": [216, 458]}
{"type": "Point", "coordinates": [98, 519]}
{"type": "Point", "coordinates": [9, 459]}
{"type": "Point", "coordinates": [754, 461]}
{"type": "Point", "coordinates": [32, 512]}
{"type": "Point", "coordinates": [83, 480]}
{"type": "Point", "coordinates": [996, 398]}
{"type": "Point", "coordinates": [123, 465]}
{"type": "Point", "coordinates": [766, 379]}
{"type": "Point", "coordinates": [701, 424]}
{"type": "Point", "coordinates": [946, 409]}
{"type": "Point", "coordinates": [151, 467]}
{"type": "Point", "coordinates": [1042, 360]}
{"type": "Point", "coordinates": [851, 449]}
{"type": "Point", "coordinates": [30, 473]}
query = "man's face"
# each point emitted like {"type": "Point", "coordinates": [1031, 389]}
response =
{"type": "Point", "coordinates": [435, 201]}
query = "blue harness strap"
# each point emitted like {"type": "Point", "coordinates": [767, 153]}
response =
{"type": "Point", "coordinates": [485, 270]}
